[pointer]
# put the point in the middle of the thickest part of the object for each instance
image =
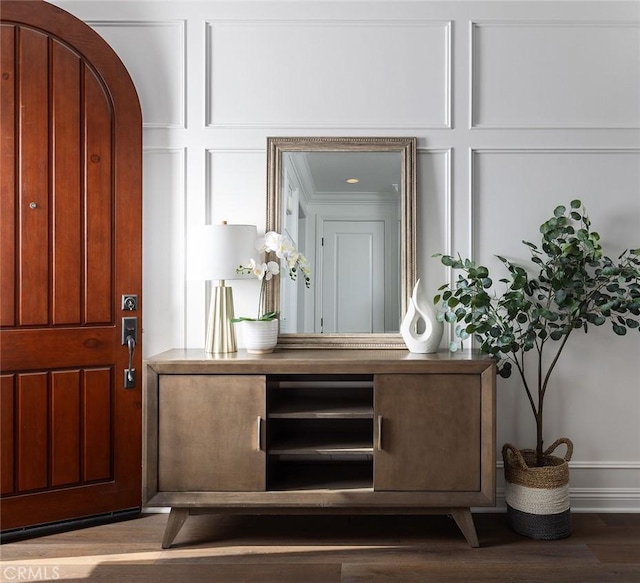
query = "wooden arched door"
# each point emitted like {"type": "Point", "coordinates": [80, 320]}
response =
{"type": "Point", "coordinates": [70, 244]}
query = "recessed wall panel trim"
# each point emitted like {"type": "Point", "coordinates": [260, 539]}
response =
{"type": "Point", "coordinates": [434, 210]}
{"type": "Point", "coordinates": [475, 154]}
{"type": "Point", "coordinates": [210, 154]}
{"type": "Point", "coordinates": [554, 75]}
{"type": "Point", "coordinates": [166, 185]}
{"type": "Point", "coordinates": [158, 70]}
{"type": "Point", "coordinates": [447, 216]}
{"type": "Point", "coordinates": [302, 69]}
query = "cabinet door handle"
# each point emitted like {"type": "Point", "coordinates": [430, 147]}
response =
{"type": "Point", "coordinates": [259, 436]}
{"type": "Point", "coordinates": [379, 432]}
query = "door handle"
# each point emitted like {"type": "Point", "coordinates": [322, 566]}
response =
{"type": "Point", "coordinates": [259, 434]}
{"type": "Point", "coordinates": [379, 432]}
{"type": "Point", "coordinates": [129, 328]}
{"type": "Point", "coordinates": [129, 336]}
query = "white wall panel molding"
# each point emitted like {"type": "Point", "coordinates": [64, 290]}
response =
{"type": "Point", "coordinates": [446, 195]}
{"type": "Point", "coordinates": [227, 185]}
{"type": "Point", "coordinates": [476, 154]}
{"type": "Point", "coordinates": [435, 189]}
{"type": "Point", "coordinates": [154, 53]}
{"type": "Point", "coordinates": [235, 191]}
{"type": "Point", "coordinates": [554, 74]}
{"type": "Point", "coordinates": [512, 191]}
{"type": "Point", "coordinates": [434, 215]}
{"type": "Point", "coordinates": [345, 74]}
{"type": "Point", "coordinates": [164, 248]}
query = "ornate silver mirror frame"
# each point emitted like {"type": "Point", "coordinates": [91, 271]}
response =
{"type": "Point", "coordinates": [406, 148]}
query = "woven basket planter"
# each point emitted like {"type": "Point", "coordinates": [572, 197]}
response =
{"type": "Point", "coordinates": [538, 497]}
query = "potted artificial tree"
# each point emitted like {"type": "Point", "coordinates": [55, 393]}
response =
{"type": "Point", "coordinates": [576, 287]}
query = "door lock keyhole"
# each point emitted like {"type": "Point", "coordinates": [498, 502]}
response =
{"type": "Point", "coordinates": [129, 302]}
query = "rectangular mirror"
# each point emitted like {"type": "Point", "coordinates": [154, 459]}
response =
{"type": "Point", "coordinates": [349, 205]}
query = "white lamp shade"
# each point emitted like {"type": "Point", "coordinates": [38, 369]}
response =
{"type": "Point", "coordinates": [215, 251]}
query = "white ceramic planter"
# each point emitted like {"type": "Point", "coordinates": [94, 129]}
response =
{"type": "Point", "coordinates": [259, 337]}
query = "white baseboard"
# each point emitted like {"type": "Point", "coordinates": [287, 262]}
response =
{"type": "Point", "coordinates": [601, 486]}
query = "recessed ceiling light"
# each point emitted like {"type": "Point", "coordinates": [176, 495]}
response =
{"type": "Point", "coordinates": [352, 180]}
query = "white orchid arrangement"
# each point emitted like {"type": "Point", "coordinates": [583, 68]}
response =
{"type": "Point", "coordinates": [294, 261]}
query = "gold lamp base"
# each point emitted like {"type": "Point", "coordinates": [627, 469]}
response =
{"type": "Point", "coordinates": [221, 335]}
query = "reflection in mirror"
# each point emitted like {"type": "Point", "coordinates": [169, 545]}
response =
{"type": "Point", "coordinates": [348, 205]}
{"type": "Point", "coordinates": [343, 210]}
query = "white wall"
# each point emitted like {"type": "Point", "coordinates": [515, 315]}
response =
{"type": "Point", "coordinates": [517, 107]}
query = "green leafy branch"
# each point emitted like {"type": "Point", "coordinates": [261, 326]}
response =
{"type": "Point", "coordinates": [576, 286]}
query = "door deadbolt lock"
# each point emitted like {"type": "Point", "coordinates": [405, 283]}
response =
{"type": "Point", "coordinates": [129, 302]}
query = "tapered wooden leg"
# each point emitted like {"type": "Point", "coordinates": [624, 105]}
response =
{"type": "Point", "coordinates": [174, 524]}
{"type": "Point", "coordinates": [464, 520]}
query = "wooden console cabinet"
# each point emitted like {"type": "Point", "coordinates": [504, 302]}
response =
{"type": "Point", "coordinates": [319, 431]}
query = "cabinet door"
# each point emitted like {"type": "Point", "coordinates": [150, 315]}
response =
{"type": "Point", "coordinates": [427, 432]}
{"type": "Point", "coordinates": [209, 433]}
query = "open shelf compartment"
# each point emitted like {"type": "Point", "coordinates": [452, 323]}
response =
{"type": "Point", "coordinates": [320, 432]}
{"type": "Point", "coordinates": [320, 475]}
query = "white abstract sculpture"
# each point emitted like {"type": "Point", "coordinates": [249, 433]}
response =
{"type": "Point", "coordinates": [420, 309]}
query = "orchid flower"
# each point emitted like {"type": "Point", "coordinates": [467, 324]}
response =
{"type": "Point", "coordinates": [285, 250]}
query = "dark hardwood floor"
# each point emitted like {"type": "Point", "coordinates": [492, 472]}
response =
{"type": "Point", "coordinates": [329, 549]}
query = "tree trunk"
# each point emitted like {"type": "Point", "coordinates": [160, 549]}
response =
{"type": "Point", "coordinates": [539, 443]}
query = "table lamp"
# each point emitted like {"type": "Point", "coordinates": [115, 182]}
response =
{"type": "Point", "coordinates": [221, 249]}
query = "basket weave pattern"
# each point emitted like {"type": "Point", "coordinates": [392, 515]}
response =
{"type": "Point", "coordinates": [538, 496]}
